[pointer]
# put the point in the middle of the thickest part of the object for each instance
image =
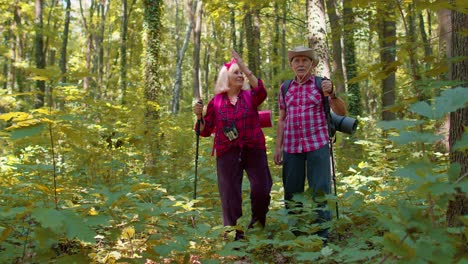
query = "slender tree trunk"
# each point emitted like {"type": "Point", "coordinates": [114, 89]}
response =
{"type": "Point", "coordinates": [459, 119]}
{"type": "Point", "coordinates": [39, 48]}
{"type": "Point", "coordinates": [252, 34]}
{"type": "Point", "coordinates": [424, 38]}
{"type": "Point", "coordinates": [206, 63]}
{"type": "Point", "coordinates": [152, 39]}
{"type": "Point", "coordinates": [50, 54]}
{"type": "Point", "coordinates": [180, 60]}
{"type": "Point", "coordinates": [123, 50]}
{"type": "Point", "coordinates": [283, 36]}
{"type": "Point", "coordinates": [411, 47]}
{"type": "Point", "coordinates": [233, 29]}
{"type": "Point", "coordinates": [354, 91]}
{"type": "Point", "coordinates": [196, 49]}
{"type": "Point", "coordinates": [63, 57]}
{"type": "Point", "coordinates": [89, 41]}
{"type": "Point", "coordinates": [153, 33]}
{"type": "Point", "coordinates": [276, 42]}
{"type": "Point", "coordinates": [102, 11]}
{"type": "Point", "coordinates": [387, 36]}
{"type": "Point", "coordinates": [317, 31]}
{"type": "Point", "coordinates": [337, 35]}
{"type": "Point", "coordinates": [6, 39]}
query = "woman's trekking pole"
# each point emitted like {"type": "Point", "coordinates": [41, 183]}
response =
{"type": "Point", "coordinates": [197, 131]}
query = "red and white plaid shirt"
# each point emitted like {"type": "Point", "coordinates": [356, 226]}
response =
{"type": "Point", "coordinates": [305, 127]}
{"type": "Point", "coordinates": [244, 115]}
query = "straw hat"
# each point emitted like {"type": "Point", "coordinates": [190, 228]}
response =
{"type": "Point", "coordinates": [303, 51]}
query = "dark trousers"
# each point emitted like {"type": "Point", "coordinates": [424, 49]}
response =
{"type": "Point", "coordinates": [315, 165]}
{"type": "Point", "coordinates": [230, 167]}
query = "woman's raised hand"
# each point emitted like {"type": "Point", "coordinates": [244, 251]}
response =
{"type": "Point", "coordinates": [241, 64]}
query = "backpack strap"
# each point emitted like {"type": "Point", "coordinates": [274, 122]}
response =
{"type": "Point", "coordinates": [325, 101]}
{"type": "Point", "coordinates": [318, 82]}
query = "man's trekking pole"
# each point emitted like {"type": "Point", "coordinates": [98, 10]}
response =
{"type": "Point", "coordinates": [334, 175]}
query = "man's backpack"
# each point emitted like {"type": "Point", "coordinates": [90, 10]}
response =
{"type": "Point", "coordinates": [325, 101]}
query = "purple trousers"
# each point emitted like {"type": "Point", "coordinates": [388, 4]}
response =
{"type": "Point", "coordinates": [230, 168]}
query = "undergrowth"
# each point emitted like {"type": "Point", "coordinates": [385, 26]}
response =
{"type": "Point", "coordinates": [87, 198]}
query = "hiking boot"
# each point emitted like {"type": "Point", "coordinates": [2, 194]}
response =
{"type": "Point", "coordinates": [239, 235]}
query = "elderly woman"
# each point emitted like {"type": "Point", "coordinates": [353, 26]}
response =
{"type": "Point", "coordinates": [239, 142]}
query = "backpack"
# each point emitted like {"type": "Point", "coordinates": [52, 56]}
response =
{"type": "Point", "coordinates": [325, 101]}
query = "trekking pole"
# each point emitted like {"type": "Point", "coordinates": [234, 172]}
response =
{"type": "Point", "coordinates": [197, 131]}
{"type": "Point", "coordinates": [334, 176]}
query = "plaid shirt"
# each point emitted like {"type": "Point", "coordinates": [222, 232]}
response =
{"type": "Point", "coordinates": [305, 127]}
{"type": "Point", "coordinates": [243, 114]}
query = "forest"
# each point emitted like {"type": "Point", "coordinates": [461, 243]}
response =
{"type": "Point", "coordinates": [99, 161]}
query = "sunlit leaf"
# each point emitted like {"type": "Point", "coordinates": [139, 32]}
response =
{"type": "Point", "coordinates": [18, 94]}
{"type": "Point", "coordinates": [15, 116]}
{"type": "Point", "coordinates": [43, 188]}
{"type": "Point", "coordinates": [92, 212]}
{"type": "Point", "coordinates": [398, 247]}
{"type": "Point", "coordinates": [128, 232]}
{"type": "Point", "coordinates": [40, 78]}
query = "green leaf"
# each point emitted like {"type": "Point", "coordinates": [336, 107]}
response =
{"type": "Point", "coordinates": [63, 223]}
{"type": "Point", "coordinates": [461, 144]}
{"type": "Point", "coordinates": [412, 136]}
{"type": "Point", "coordinates": [308, 256]}
{"type": "Point", "coordinates": [50, 218]}
{"type": "Point", "coordinates": [450, 100]}
{"type": "Point", "coordinates": [423, 109]}
{"type": "Point", "coordinates": [398, 124]}
{"type": "Point", "coordinates": [394, 244]}
{"type": "Point", "coordinates": [163, 250]}
{"type": "Point", "coordinates": [29, 131]}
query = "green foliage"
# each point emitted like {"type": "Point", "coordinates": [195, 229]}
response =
{"type": "Point", "coordinates": [393, 183]}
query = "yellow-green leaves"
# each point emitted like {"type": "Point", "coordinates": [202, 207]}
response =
{"type": "Point", "coordinates": [397, 246]}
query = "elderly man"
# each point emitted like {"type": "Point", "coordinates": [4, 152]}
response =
{"type": "Point", "coordinates": [302, 142]}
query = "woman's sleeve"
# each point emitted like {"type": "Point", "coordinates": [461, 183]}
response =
{"type": "Point", "coordinates": [210, 119]}
{"type": "Point", "coordinates": [259, 93]}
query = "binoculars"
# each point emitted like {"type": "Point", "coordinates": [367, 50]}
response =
{"type": "Point", "coordinates": [343, 124]}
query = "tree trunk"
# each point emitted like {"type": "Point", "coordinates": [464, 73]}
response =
{"type": "Point", "coordinates": [387, 39]}
{"type": "Point", "coordinates": [101, 87]}
{"type": "Point", "coordinates": [152, 39]}
{"type": "Point", "coordinates": [123, 50]}
{"type": "Point", "coordinates": [252, 34]}
{"type": "Point", "coordinates": [63, 53]}
{"type": "Point", "coordinates": [317, 30]}
{"type": "Point", "coordinates": [196, 50]}
{"type": "Point", "coordinates": [5, 65]}
{"type": "Point", "coordinates": [424, 38]}
{"type": "Point", "coordinates": [337, 36]}
{"type": "Point", "coordinates": [39, 48]}
{"type": "Point", "coordinates": [180, 60]}
{"type": "Point", "coordinates": [459, 119]}
{"type": "Point", "coordinates": [153, 32]}
{"type": "Point", "coordinates": [284, 62]}
{"type": "Point", "coordinates": [233, 29]}
{"type": "Point", "coordinates": [276, 41]}
{"type": "Point", "coordinates": [17, 74]}
{"type": "Point", "coordinates": [89, 41]}
{"type": "Point", "coordinates": [354, 91]}
{"type": "Point", "coordinates": [206, 63]}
